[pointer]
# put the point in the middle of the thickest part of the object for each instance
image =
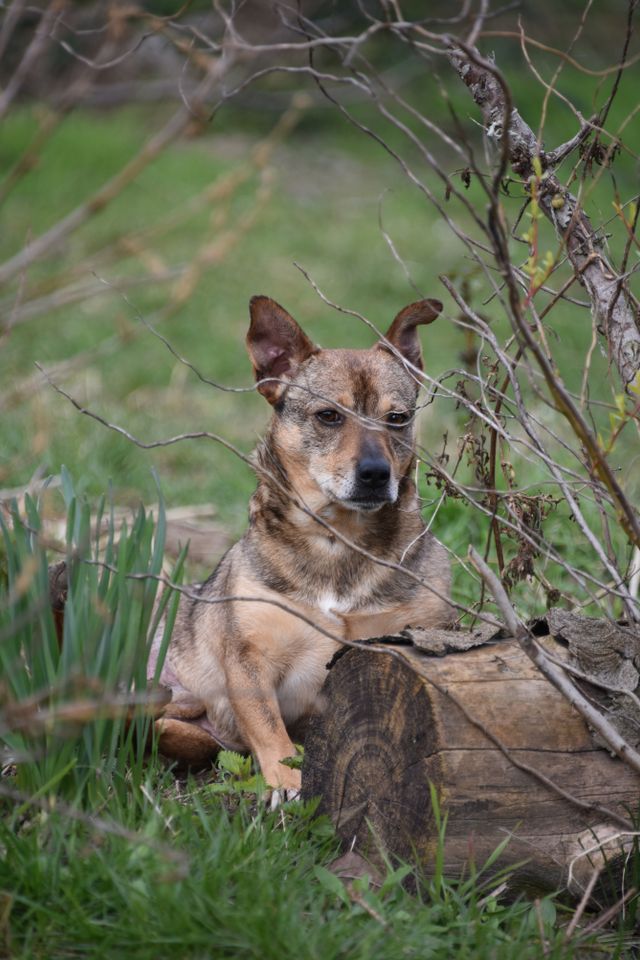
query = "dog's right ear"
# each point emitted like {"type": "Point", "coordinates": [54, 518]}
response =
{"type": "Point", "coordinates": [276, 345]}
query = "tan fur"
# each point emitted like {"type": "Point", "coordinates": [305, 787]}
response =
{"type": "Point", "coordinates": [336, 465]}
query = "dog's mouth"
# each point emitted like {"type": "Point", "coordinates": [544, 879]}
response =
{"type": "Point", "coordinates": [368, 503]}
{"type": "Point", "coordinates": [359, 498]}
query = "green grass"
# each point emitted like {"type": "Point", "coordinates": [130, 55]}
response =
{"type": "Point", "coordinates": [103, 852]}
{"type": "Point", "coordinates": [247, 884]}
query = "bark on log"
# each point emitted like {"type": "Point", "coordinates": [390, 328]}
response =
{"type": "Point", "coordinates": [392, 725]}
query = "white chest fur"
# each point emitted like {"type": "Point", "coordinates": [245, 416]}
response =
{"type": "Point", "coordinates": [331, 604]}
{"type": "Point", "coordinates": [299, 688]}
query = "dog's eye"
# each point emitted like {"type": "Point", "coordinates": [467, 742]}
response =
{"type": "Point", "coordinates": [397, 419]}
{"type": "Point", "coordinates": [332, 417]}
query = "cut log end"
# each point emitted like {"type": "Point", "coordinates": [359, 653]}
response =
{"type": "Point", "coordinates": [368, 781]}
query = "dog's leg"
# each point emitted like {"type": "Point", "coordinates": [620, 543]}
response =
{"type": "Point", "coordinates": [185, 742]}
{"type": "Point", "coordinates": [252, 692]}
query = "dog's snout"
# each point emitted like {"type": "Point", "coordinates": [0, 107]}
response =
{"type": "Point", "coordinates": [373, 472]}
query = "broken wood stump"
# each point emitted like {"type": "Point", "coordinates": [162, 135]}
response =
{"type": "Point", "coordinates": [507, 756]}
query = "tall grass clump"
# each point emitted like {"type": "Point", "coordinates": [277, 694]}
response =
{"type": "Point", "coordinates": [76, 712]}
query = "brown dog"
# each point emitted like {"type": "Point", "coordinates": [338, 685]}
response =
{"type": "Point", "coordinates": [335, 492]}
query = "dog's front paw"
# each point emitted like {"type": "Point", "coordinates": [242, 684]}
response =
{"type": "Point", "coordinates": [281, 795]}
{"type": "Point", "coordinates": [286, 785]}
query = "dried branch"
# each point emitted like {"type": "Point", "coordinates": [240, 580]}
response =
{"type": "Point", "coordinates": [31, 54]}
{"type": "Point", "coordinates": [616, 314]}
{"type": "Point", "coordinates": [556, 675]}
{"type": "Point", "coordinates": [9, 23]}
{"type": "Point", "coordinates": [89, 208]}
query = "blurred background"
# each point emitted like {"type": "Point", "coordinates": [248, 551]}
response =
{"type": "Point", "coordinates": [170, 173]}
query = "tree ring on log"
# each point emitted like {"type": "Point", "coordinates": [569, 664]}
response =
{"type": "Point", "coordinates": [370, 788]}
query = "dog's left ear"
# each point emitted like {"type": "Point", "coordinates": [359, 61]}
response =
{"type": "Point", "coordinates": [276, 345]}
{"type": "Point", "coordinates": [402, 333]}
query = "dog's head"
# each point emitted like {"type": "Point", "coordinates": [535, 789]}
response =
{"type": "Point", "coordinates": [343, 423]}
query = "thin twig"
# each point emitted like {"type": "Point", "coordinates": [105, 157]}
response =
{"type": "Point", "coordinates": [556, 675]}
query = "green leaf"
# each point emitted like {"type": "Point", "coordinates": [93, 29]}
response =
{"type": "Point", "coordinates": [543, 911]}
{"type": "Point", "coordinates": [295, 763]}
{"type": "Point", "coordinates": [255, 783]}
{"type": "Point", "coordinates": [234, 763]}
{"type": "Point", "coordinates": [331, 884]}
{"type": "Point", "coordinates": [394, 878]}
{"type": "Point", "coordinates": [67, 486]}
{"type": "Point", "coordinates": [548, 912]}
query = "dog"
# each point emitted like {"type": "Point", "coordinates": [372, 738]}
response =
{"type": "Point", "coordinates": [333, 525]}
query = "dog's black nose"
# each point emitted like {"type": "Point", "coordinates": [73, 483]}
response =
{"type": "Point", "coordinates": [373, 472]}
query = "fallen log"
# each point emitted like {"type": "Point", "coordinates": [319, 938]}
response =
{"type": "Point", "coordinates": [507, 756]}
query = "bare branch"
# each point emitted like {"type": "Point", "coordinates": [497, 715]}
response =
{"type": "Point", "coordinates": [172, 129]}
{"type": "Point", "coordinates": [556, 675]}
{"type": "Point", "coordinates": [31, 54]}
{"type": "Point", "coordinates": [615, 314]}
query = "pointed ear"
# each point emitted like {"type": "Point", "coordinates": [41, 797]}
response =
{"type": "Point", "coordinates": [276, 345]}
{"type": "Point", "coordinates": [402, 333]}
